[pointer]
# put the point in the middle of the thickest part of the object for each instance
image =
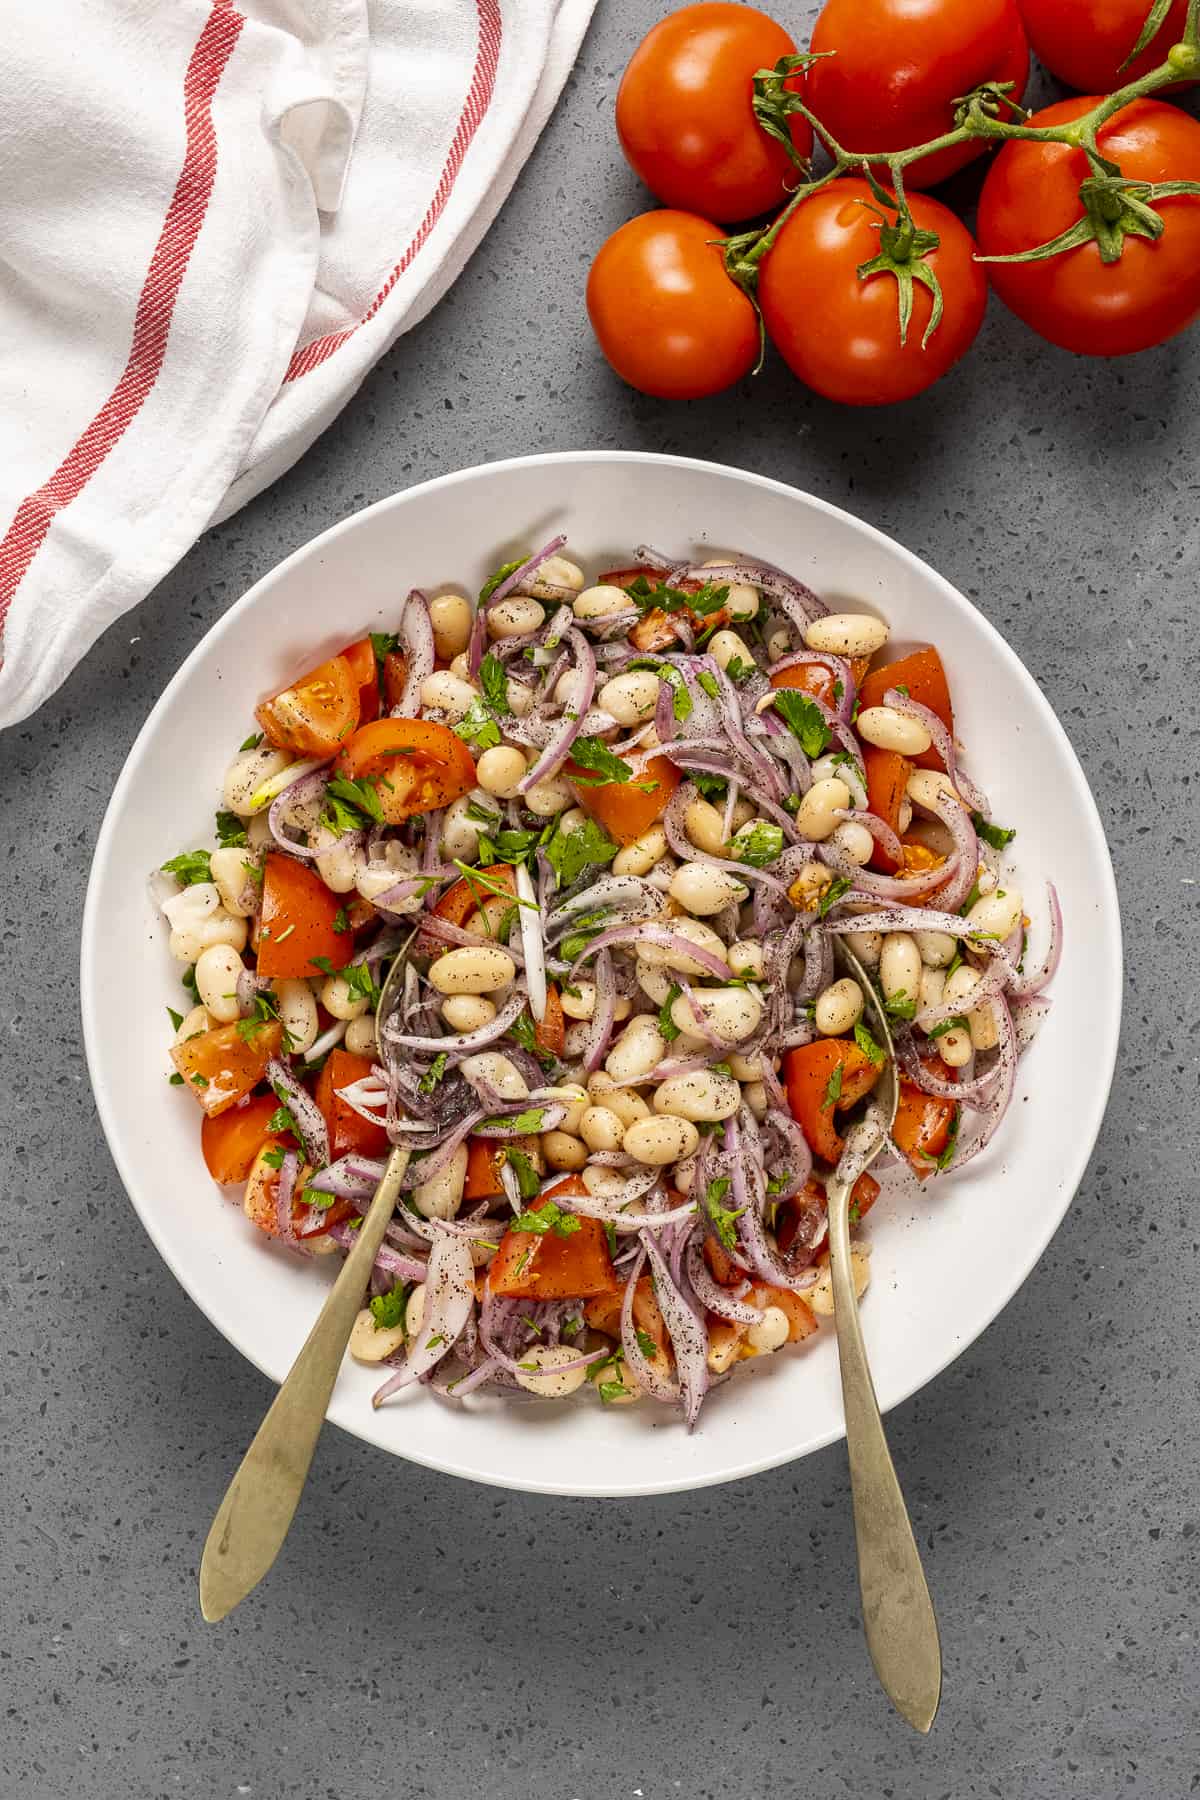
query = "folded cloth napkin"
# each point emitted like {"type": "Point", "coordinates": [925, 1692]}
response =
{"type": "Point", "coordinates": [214, 218]}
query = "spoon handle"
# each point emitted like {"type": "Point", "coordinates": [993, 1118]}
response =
{"type": "Point", "coordinates": [898, 1615]}
{"type": "Point", "coordinates": [253, 1518]}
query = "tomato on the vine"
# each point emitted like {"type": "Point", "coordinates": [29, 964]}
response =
{"type": "Point", "coordinates": [685, 114]}
{"type": "Point", "coordinates": [665, 313]}
{"type": "Point", "coordinates": [897, 69]}
{"type": "Point", "coordinates": [1085, 42]}
{"type": "Point", "coordinates": [840, 332]}
{"type": "Point", "coordinates": [1074, 299]}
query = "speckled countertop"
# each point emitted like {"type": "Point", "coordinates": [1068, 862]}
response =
{"type": "Point", "coordinates": [425, 1638]}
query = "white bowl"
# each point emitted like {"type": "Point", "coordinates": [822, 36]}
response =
{"type": "Point", "coordinates": [944, 1262]}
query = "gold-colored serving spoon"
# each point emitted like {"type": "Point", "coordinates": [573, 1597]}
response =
{"type": "Point", "coordinates": [898, 1616]}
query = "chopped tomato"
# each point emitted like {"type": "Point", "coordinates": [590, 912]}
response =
{"type": "Point", "coordinates": [811, 1201]}
{"type": "Point", "coordinates": [657, 630]}
{"type": "Point", "coordinates": [816, 679]}
{"type": "Point", "coordinates": [231, 1140]}
{"type": "Point", "coordinates": [922, 1128]}
{"type": "Point", "coordinates": [485, 1159]}
{"type": "Point", "coordinates": [723, 1267]}
{"type": "Point", "coordinates": [604, 1314]}
{"type": "Point", "coordinates": [460, 902]}
{"type": "Point", "coordinates": [544, 1266]}
{"type": "Point", "coordinates": [315, 714]}
{"type": "Point", "coordinates": [349, 1134]}
{"type": "Point", "coordinates": [296, 924]}
{"type": "Point", "coordinates": [887, 778]}
{"type": "Point", "coordinates": [810, 1072]}
{"type": "Point", "coordinates": [365, 670]}
{"type": "Point", "coordinates": [551, 1034]}
{"type": "Point", "coordinates": [395, 677]}
{"type": "Point", "coordinates": [925, 678]}
{"type": "Point", "coordinates": [261, 1205]}
{"type": "Point", "coordinates": [417, 765]}
{"type": "Point", "coordinates": [221, 1065]}
{"type": "Point", "coordinates": [624, 808]}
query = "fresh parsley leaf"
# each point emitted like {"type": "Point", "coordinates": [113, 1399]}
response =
{"type": "Point", "coordinates": [478, 727]}
{"type": "Point", "coordinates": [833, 1088]}
{"type": "Point", "coordinates": [757, 844]}
{"type": "Point", "coordinates": [956, 1024]}
{"type": "Point", "coordinates": [191, 867]}
{"type": "Point", "coordinates": [528, 1182]}
{"type": "Point", "coordinates": [969, 902]}
{"type": "Point", "coordinates": [646, 1343]}
{"type": "Point", "coordinates": [995, 835]}
{"type": "Point", "coordinates": [175, 1080]}
{"type": "Point", "coordinates": [524, 1124]}
{"type": "Point", "coordinates": [840, 885]}
{"type": "Point", "coordinates": [737, 670]}
{"type": "Point", "coordinates": [611, 1390]}
{"type": "Point", "coordinates": [341, 920]}
{"type": "Point", "coordinates": [723, 1220]}
{"type": "Point", "coordinates": [610, 1233]}
{"type": "Point", "coordinates": [200, 1081]}
{"type": "Point", "coordinates": [231, 831]}
{"type": "Point", "coordinates": [381, 643]}
{"type": "Point", "coordinates": [501, 574]}
{"type": "Point", "coordinates": [494, 683]}
{"type": "Point", "coordinates": [803, 719]}
{"type": "Point", "coordinates": [525, 1032]}
{"type": "Point", "coordinates": [592, 754]}
{"type": "Point", "coordinates": [511, 846]}
{"type": "Point", "coordinates": [433, 1073]}
{"type": "Point", "coordinates": [482, 815]}
{"type": "Point", "coordinates": [956, 962]}
{"type": "Point", "coordinates": [175, 1018]}
{"type": "Point", "coordinates": [658, 596]}
{"type": "Point", "coordinates": [274, 1156]}
{"type": "Point", "coordinates": [871, 1050]}
{"type": "Point", "coordinates": [281, 1120]}
{"type": "Point", "coordinates": [252, 742]}
{"type": "Point", "coordinates": [570, 1328]}
{"type": "Point", "coordinates": [352, 805]}
{"type": "Point", "coordinates": [360, 983]}
{"type": "Point", "coordinates": [777, 1183]}
{"type": "Point", "coordinates": [709, 683]}
{"type": "Point", "coordinates": [188, 982]}
{"type": "Point", "coordinates": [388, 1310]}
{"type": "Point", "coordinates": [710, 787]}
{"type": "Point", "coordinates": [262, 1011]}
{"type": "Point", "coordinates": [569, 853]}
{"type": "Point", "coordinates": [899, 1006]}
{"type": "Point", "coordinates": [323, 963]}
{"type": "Point", "coordinates": [666, 1024]}
{"type": "Point", "coordinates": [544, 1218]}
{"type": "Point", "coordinates": [946, 1155]}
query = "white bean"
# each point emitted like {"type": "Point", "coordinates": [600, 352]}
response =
{"type": "Point", "coordinates": [569, 688]}
{"type": "Point", "coordinates": [631, 698]}
{"type": "Point", "coordinates": [904, 815]}
{"type": "Point", "coordinates": [545, 798]}
{"type": "Point", "coordinates": [441, 1196]}
{"type": "Point", "coordinates": [837, 763]}
{"type": "Point", "coordinates": [575, 1039]}
{"type": "Point", "coordinates": [259, 835]}
{"type": "Point", "coordinates": [231, 876]}
{"type": "Point", "coordinates": [888, 729]}
{"type": "Point", "coordinates": [640, 857]}
{"type": "Point", "coordinates": [815, 818]}
{"type": "Point", "coordinates": [854, 841]}
{"type": "Point", "coordinates": [779, 643]}
{"type": "Point", "coordinates": [460, 665]}
{"type": "Point", "coordinates": [742, 599]}
{"type": "Point", "coordinates": [556, 571]}
{"type": "Point", "coordinates": [601, 1129]}
{"type": "Point", "coordinates": [601, 602]}
{"type": "Point", "coordinates": [449, 694]}
{"type": "Point", "coordinates": [839, 1007]}
{"type": "Point", "coordinates": [396, 864]}
{"type": "Point", "coordinates": [246, 774]}
{"type": "Point", "coordinates": [746, 959]}
{"type": "Point", "coordinates": [628, 1106]}
{"type": "Point", "coordinates": [451, 616]}
{"type": "Point", "coordinates": [297, 1008]}
{"type": "Point", "coordinates": [414, 1312]}
{"type": "Point", "coordinates": [520, 696]}
{"type": "Point", "coordinates": [563, 1150]}
{"type": "Point", "coordinates": [925, 787]}
{"type": "Point", "coordinates": [473, 969]}
{"type": "Point", "coordinates": [705, 826]}
{"type": "Point", "coordinates": [820, 1295]}
{"type": "Point", "coordinates": [733, 1014]}
{"type": "Point", "coordinates": [640, 1047]}
{"type": "Point", "coordinates": [754, 1093]}
{"type": "Point", "coordinates": [660, 1141]}
{"type": "Point", "coordinates": [981, 1023]}
{"type": "Point", "coordinates": [998, 912]}
{"type": "Point", "coordinates": [703, 890]}
{"type": "Point", "coordinates": [579, 999]}
{"type": "Point", "coordinates": [193, 1024]}
{"type": "Point", "coordinates": [726, 647]}
{"type": "Point", "coordinates": [695, 932]}
{"type": "Point", "coordinates": [937, 947]}
{"type": "Point", "coordinates": [702, 1095]}
{"type": "Point", "coordinates": [460, 833]}
{"type": "Point", "coordinates": [514, 617]}
{"type": "Point", "coordinates": [467, 1012]}
{"type": "Point", "coordinates": [900, 966]}
{"type": "Point", "coordinates": [501, 770]}
{"type": "Point", "coordinates": [745, 1068]}
{"type": "Point", "coordinates": [337, 999]}
{"type": "Point", "coordinates": [771, 1332]}
{"type": "Point", "coordinates": [573, 820]}
{"type": "Point", "coordinates": [371, 1343]}
{"type": "Point", "coordinates": [339, 865]}
{"type": "Point", "coordinates": [551, 1375]}
{"type": "Point", "coordinates": [499, 1071]}
{"type": "Point", "coordinates": [201, 924]}
{"type": "Point", "coordinates": [932, 989]}
{"type": "Point", "coordinates": [360, 1038]}
{"type": "Point", "coordinates": [599, 1180]}
{"type": "Point", "coordinates": [846, 634]}
{"type": "Point", "coordinates": [866, 945]}
{"type": "Point", "coordinates": [955, 1047]}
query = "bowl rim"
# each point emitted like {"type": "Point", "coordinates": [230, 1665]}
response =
{"type": "Point", "coordinates": [1091, 827]}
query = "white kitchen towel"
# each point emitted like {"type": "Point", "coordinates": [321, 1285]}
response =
{"type": "Point", "coordinates": [214, 218]}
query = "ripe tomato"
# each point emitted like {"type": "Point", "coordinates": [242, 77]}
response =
{"type": "Point", "coordinates": [840, 333]}
{"type": "Point", "coordinates": [231, 1140]}
{"type": "Point", "coordinates": [923, 673]}
{"type": "Point", "coordinates": [922, 1127]}
{"type": "Point", "coordinates": [298, 917]}
{"type": "Point", "coordinates": [822, 1078]}
{"type": "Point", "coordinates": [417, 764]}
{"type": "Point", "coordinates": [898, 68]}
{"type": "Point", "coordinates": [315, 714]}
{"type": "Point", "coordinates": [1085, 42]}
{"type": "Point", "coordinates": [361, 657]}
{"type": "Point", "coordinates": [545, 1266]}
{"type": "Point", "coordinates": [685, 113]}
{"type": "Point", "coordinates": [626, 809]}
{"type": "Point", "coordinates": [222, 1065]}
{"type": "Point", "coordinates": [349, 1132]}
{"type": "Point", "coordinates": [1032, 194]}
{"type": "Point", "coordinates": [665, 313]}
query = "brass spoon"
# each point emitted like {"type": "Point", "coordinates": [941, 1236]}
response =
{"type": "Point", "coordinates": [260, 1502]}
{"type": "Point", "coordinates": [898, 1615]}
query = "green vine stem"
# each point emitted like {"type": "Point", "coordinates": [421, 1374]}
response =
{"type": "Point", "coordinates": [1112, 207]}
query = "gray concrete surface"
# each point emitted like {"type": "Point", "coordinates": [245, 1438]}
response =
{"type": "Point", "coordinates": [425, 1638]}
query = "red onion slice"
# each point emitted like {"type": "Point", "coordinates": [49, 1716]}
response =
{"type": "Point", "coordinates": [285, 1189]}
{"type": "Point", "coordinates": [571, 727]}
{"type": "Point", "coordinates": [612, 893]}
{"type": "Point", "coordinates": [727, 1303]}
{"type": "Point", "coordinates": [604, 1013]}
{"type": "Point", "coordinates": [689, 1339]}
{"type": "Point", "coordinates": [684, 848]}
{"type": "Point", "coordinates": [420, 654]}
{"type": "Point", "coordinates": [913, 918]}
{"type": "Point", "coordinates": [942, 741]}
{"type": "Point", "coordinates": [1006, 1083]}
{"type": "Point", "coordinates": [464, 1043]}
{"type": "Point", "coordinates": [974, 1091]}
{"type": "Point", "coordinates": [479, 629]}
{"type": "Point", "coordinates": [314, 1133]}
{"type": "Point", "coordinates": [1024, 987]}
{"type": "Point", "coordinates": [751, 1231]}
{"type": "Point", "coordinates": [838, 667]}
{"type": "Point", "coordinates": [449, 1303]}
{"type": "Point", "coordinates": [306, 788]}
{"type": "Point", "coordinates": [796, 601]}
{"type": "Point", "coordinates": [879, 829]}
{"type": "Point", "coordinates": [886, 887]}
{"type": "Point", "coordinates": [645, 931]}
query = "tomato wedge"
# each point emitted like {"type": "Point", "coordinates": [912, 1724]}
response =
{"type": "Point", "coordinates": [485, 1158]}
{"type": "Point", "coordinates": [922, 1128]}
{"type": "Point", "coordinates": [544, 1266]}
{"type": "Point", "coordinates": [231, 1140]}
{"type": "Point", "coordinates": [924, 676]}
{"type": "Point", "coordinates": [222, 1065]}
{"type": "Point", "coordinates": [627, 811]}
{"type": "Point", "coordinates": [417, 765]}
{"type": "Point", "coordinates": [604, 1314]}
{"type": "Point", "coordinates": [261, 1207]}
{"type": "Point", "coordinates": [808, 1074]}
{"type": "Point", "coordinates": [887, 778]}
{"type": "Point", "coordinates": [551, 1034]}
{"type": "Point", "coordinates": [298, 913]}
{"type": "Point", "coordinates": [349, 1133]}
{"type": "Point", "coordinates": [361, 657]}
{"type": "Point", "coordinates": [395, 676]}
{"type": "Point", "coordinates": [816, 679]}
{"type": "Point", "coordinates": [315, 714]}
